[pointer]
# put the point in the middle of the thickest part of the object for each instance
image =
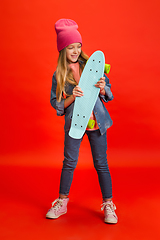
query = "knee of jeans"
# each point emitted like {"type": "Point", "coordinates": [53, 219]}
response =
{"type": "Point", "coordinates": [101, 165]}
{"type": "Point", "coordinates": [69, 164]}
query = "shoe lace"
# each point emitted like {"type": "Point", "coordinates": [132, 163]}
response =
{"type": "Point", "coordinates": [57, 204]}
{"type": "Point", "coordinates": [108, 206]}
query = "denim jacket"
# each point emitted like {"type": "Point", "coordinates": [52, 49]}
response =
{"type": "Point", "coordinates": [102, 116]}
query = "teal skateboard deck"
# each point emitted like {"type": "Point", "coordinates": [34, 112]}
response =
{"type": "Point", "coordinates": [84, 105]}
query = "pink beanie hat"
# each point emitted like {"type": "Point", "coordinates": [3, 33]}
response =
{"type": "Point", "coordinates": [67, 33]}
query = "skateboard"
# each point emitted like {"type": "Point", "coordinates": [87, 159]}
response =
{"type": "Point", "coordinates": [84, 105]}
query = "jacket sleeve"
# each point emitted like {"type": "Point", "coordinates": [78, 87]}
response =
{"type": "Point", "coordinates": [108, 94]}
{"type": "Point", "coordinates": [58, 106]}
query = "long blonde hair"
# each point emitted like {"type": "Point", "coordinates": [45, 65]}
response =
{"type": "Point", "coordinates": [64, 73]}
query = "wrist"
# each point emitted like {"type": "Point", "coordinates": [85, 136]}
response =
{"type": "Point", "coordinates": [102, 92]}
{"type": "Point", "coordinates": [72, 97]}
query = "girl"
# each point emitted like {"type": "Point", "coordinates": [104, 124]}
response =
{"type": "Point", "coordinates": [64, 90]}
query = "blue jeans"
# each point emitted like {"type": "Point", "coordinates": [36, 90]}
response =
{"type": "Point", "coordinates": [98, 145]}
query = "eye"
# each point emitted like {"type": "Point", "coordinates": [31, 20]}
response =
{"type": "Point", "coordinates": [70, 47]}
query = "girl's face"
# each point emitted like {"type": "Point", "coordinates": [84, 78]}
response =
{"type": "Point", "coordinates": [72, 52]}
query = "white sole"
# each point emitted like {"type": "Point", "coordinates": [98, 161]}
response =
{"type": "Point", "coordinates": [55, 217]}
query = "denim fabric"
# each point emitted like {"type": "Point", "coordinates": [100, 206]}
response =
{"type": "Point", "coordinates": [102, 116]}
{"type": "Point", "coordinates": [98, 145]}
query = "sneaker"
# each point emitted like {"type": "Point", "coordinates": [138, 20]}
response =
{"type": "Point", "coordinates": [59, 207]}
{"type": "Point", "coordinates": [109, 212]}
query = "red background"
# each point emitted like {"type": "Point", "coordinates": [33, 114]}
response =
{"type": "Point", "coordinates": [31, 147]}
{"type": "Point", "coordinates": [128, 34]}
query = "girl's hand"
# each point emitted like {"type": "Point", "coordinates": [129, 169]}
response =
{"type": "Point", "coordinates": [101, 84]}
{"type": "Point", "coordinates": [77, 92]}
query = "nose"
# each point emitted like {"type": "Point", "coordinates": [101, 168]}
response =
{"type": "Point", "coordinates": [75, 50]}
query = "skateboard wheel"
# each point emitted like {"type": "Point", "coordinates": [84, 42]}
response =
{"type": "Point", "coordinates": [91, 123]}
{"type": "Point", "coordinates": [107, 68]}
